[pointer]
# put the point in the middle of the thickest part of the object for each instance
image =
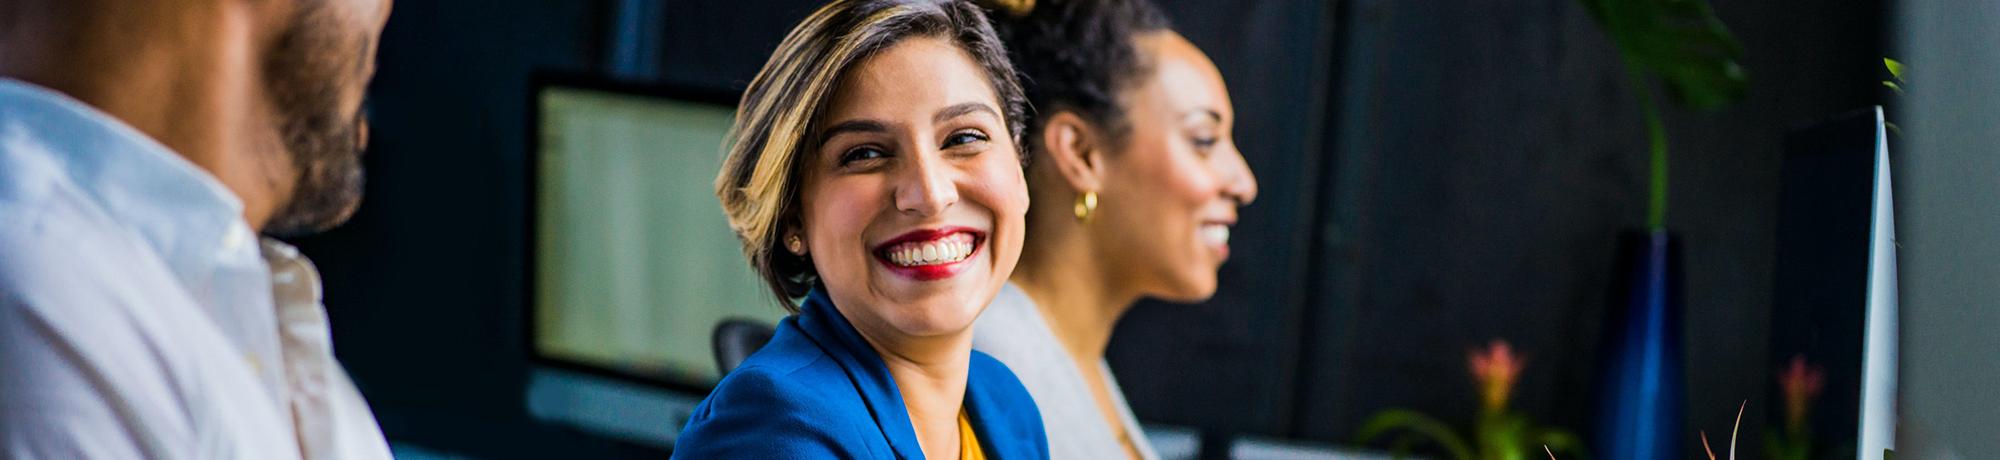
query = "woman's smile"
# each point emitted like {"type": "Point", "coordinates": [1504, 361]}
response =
{"type": "Point", "coordinates": [930, 254]}
{"type": "Point", "coordinates": [1215, 235]}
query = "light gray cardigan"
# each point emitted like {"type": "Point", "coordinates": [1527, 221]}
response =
{"type": "Point", "coordinates": [1013, 330]}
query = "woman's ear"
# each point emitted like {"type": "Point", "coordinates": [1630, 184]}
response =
{"type": "Point", "coordinates": [1075, 148]}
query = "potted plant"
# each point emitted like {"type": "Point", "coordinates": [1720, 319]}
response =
{"type": "Point", "coordinates": [1498, 433]}
{"type": "Point", "coordinates": [1681, 46]}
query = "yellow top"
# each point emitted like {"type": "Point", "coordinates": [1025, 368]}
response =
{"type": "Point", "coordinates": [968, 442]}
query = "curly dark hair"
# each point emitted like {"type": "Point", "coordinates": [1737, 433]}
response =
{"type": "Point", "coordinates": [1077, 55]}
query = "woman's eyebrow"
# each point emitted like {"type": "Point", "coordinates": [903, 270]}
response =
{"type": "Point", "coordinates": [962, 109]}
{"type": "Point", "coordinates": [851, 126]}
{"type": "Point", "coordinates": [1204, 112]}
{"type": "Point", "coordinates": [877, 126]}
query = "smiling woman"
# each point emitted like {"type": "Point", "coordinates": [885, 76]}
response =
{"type": "Point", "coordinates": [934, 168]}
{"type": "Point", "coordinates": [875, 170]}
{"type": "Point", "coordinates": [1139, 180]}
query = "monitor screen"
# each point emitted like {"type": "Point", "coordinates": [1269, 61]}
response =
{"type": "Point", "coordinates": [633, 262]}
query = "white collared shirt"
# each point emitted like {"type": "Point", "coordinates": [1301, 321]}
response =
{"type": "Point", "coordinates": [140, 317]}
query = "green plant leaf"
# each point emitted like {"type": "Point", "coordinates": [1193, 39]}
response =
{"type": "Point", "coordinates": [1895, 69]}
{"type": "Point", "coordinates": [1785, 448]}
{"type": "Point", "coordinates": [1401, 448]}
{"type": "Point", "coordinates": [1502, 436]}
{"type": "Point", "coordinates": [1565, 441]}
{"type": "Point", "coordinates": [1418, 423]}
{"type": "Point", "coordinates": [1893, 85]}
{"type": "Point", "coordinates": [1690, 51]}
{"type": "Point", "coordinates": [1680, 41]}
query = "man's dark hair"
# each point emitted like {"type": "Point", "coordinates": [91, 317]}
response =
{"type": "Point", "coordinates": [1077, 55]}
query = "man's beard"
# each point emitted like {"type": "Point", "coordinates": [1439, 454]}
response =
{"type": "Point", "coordinates": [304, 73]}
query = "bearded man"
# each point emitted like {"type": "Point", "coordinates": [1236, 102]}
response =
{"type": "Point", "coordinates": [145, 148]}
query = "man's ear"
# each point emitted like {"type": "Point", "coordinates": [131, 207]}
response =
{"type": "Point", "coordinates": [1075, 147]}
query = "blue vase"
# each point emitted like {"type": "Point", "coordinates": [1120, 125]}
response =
{"type": "Point", "coordinates": [1641, 397]}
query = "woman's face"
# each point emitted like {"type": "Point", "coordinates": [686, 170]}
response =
{"type": "Point", "coordinates": [1170, 191]}
{"type": "Point", "coordinates": [913, 199]}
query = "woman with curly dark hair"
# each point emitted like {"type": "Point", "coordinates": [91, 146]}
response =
{"type": "Point", "coordinates": [1136, 182]}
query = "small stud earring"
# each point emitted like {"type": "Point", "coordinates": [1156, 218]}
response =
{"type": "Point", "coordinates": [797, 247]}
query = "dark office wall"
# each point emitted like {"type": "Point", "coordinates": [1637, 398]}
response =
{"type": "Point", "coordinates": [1485, 157]}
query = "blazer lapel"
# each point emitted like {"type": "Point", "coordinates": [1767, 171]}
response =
{"type": "Point", "coordinates": [992, 418]}
{"type": "Point", "coordinates": [865, 369]}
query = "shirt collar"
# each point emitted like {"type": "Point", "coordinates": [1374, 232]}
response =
{"type": "Point", "coordinates": [181, 211]}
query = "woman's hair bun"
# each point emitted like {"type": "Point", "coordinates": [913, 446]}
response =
{"type": "Point", "coordinates": [1013, 8]}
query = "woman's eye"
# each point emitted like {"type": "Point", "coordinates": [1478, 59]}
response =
{"type": "Point", "coordinates": [1205, 143]}
{"type": "Point", "coordinates": [963, 138]}
{"type": "Point", "coordinates": [863, 153]}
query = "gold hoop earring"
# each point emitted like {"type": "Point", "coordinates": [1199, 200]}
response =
{"type": "Point", "coordinates": [1086, 204]}
{"type": "Point", "coordinates": [797, 247]}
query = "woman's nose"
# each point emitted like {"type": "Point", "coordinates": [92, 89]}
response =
{"type": "Point", "coordinates": [1241, 184]}
{"type": "Point", "coordinates": [927, 187]}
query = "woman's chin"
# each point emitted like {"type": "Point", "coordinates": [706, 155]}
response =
{"type": "Point", "coordinates": [1195, 289]}
{"type": "Point", "coordinates": [937, 320]}
{"type": "Point", "coordinates": [939, 313]}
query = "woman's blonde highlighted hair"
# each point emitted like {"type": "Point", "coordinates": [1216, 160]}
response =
{"type": "Point", "coordinates": [776, 122]}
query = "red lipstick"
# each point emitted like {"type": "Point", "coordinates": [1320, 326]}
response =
{"type": "Point", "coordinates": [930, 254]}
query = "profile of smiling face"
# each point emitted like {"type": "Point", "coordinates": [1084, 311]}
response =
{"type": "Point", "coordinates": [1170, 190]}
{"type": "Point", "coordinates": [913, 200]}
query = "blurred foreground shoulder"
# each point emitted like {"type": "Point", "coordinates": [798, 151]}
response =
{"type": "Point", "coordinates": [78, 374]}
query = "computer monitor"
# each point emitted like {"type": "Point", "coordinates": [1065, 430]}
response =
{"type": "Point", "coordinates": [632, 263]}
{"type": "Point", "coordinates": [1834, 321]}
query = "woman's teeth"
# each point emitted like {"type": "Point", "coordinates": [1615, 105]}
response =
{"type": "Point", "coordinates": [1215, 234]}
{"type": "Point", "coordinates": [945, 250]}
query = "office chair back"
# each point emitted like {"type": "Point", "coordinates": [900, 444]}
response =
{"type": "Point", "coordinates": [735, 339]}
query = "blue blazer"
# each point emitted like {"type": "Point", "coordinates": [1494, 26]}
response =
{"type": "Point", "coordinates": [817, 390]}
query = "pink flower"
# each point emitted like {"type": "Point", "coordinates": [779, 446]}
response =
{"type": "Point", "coordinates": [1800, 382]}
{"type": "Point", "coordinates": [1495, 369]}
